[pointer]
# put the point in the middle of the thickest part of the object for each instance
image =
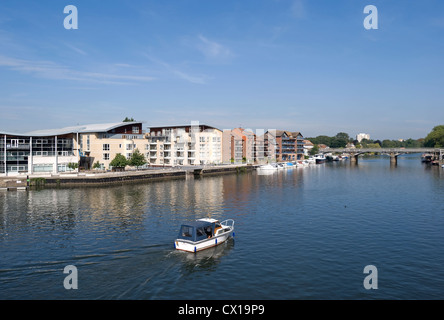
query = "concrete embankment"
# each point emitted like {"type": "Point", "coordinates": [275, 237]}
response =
{"type": "Point", "coordinates": [106, 178]}
{"type": "Point", "coordinates": [94, 179]}
{"type": "Point", "coordinates": [13, 183]}
{"type": "Point", "coordinates": [222, 170]}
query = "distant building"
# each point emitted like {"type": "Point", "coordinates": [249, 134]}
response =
{"type": "Point", "coordinates": [361, 136]}
{"type": "Point", "coordinates": [308, 145]}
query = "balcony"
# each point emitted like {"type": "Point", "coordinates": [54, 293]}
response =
{"type": "Point", "coordinates": [21, 146]}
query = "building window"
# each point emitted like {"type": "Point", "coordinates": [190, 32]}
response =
{"type": "Point", "coordinates": [106, 147]}
{"type": "Point", "coordinates": [106, 156]}
{"type": "Point", "coordinates": [135, 129]}
{"type": "Point", "coordinates": [128, 156]}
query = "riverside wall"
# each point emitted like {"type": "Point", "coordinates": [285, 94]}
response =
{"type": "Point", "coordinates": [108, 178]}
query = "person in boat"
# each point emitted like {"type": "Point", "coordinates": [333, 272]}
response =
{"type": "Point", "coordinates": [208, 232]}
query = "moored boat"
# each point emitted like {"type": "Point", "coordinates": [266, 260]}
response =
{"type": "Point", "coordinates": [427, 157]}
{"type": "Point", "coordinates": [267, 167]}
{"type": "Point", "coordinates": [203, 234]}
{"type": "Point", "coordinates": [319, 158]}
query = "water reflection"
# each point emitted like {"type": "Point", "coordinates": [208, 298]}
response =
{"type": "Point", "coordinates": [205, 260]}
{"type": "Point", "coordinates": [121, 236]}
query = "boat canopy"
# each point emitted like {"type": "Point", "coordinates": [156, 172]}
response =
{"type": "Point", "coordinates": [196, 230]}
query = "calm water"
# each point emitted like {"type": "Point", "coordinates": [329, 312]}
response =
{"type": "Point", "coordinates": [305, 233]}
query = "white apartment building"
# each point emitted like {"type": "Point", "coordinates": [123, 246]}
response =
{"type": "Point", "coordinates": [361, 136]}
{"type": "Point", "coordinates": [194, 144]}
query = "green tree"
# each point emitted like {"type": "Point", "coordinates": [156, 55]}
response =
{"type": "Point", "coordinates": [119, 161]}
{"type": "Point", "coordinates": [73, 165]}
{"type": "Point", "coordinates": [128, 119]}
{"type": "Point", "coordinates": [137, 159]}
{"type": "Point", "coordinates": [343, 135]}
{"type": "Point", "coordinates": [373, 145]}
{"type": "Point", "coordinates": [388, 143]}
{"type": "Point", "coordinates": [435, 139]}
{"type": "Point", "coordinates": [314, 150]}
{"type": "Point", "coordinates": [97, 165]}
{"type": "Point", "coordinates": [336, 142]}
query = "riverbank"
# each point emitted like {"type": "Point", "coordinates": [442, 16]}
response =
{"type": "Point", "coordinates": [92, 178]}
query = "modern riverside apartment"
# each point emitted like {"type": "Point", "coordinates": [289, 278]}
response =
{"type": "Point", "coordinates": [284, 145]}
{"type": "Point", "coordinates": [52, 151]}
{"type": "Point", "coordinates": [194, 144]}
{"type": "Point", "coordinates": [242, 146]}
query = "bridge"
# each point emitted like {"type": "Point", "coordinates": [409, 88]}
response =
{"type": "Point", "coordinates": [437, 153]}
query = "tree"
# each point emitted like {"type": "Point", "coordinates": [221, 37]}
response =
{"type": "Point", "coordinates": [128, 119]}
{"type": "Point", "coordinates": [137, 159]}
{"type": "Point", "coordinates": [343, 135]}
{"type": "Point", "coordinates": [119, 161]}
{"type": "Point", "coordinates": [336, 142]}
{"type": "Point", "coordinates": [435, 139]}
{"type": "Point", "coordinates": [389, 143]}
{"type": "Point", "coordinates": [314, 150]}
{"type": "Point", "coordinates": [97, 165]}
{"type": "Point", "coordinates": [73, 165]}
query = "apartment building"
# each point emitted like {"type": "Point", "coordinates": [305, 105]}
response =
{"type": "Point", "coordinates": [53, 150]}
{"type": "Point", "coordinates": [194, 144]}
{"type": "Point", "coordinates": [281, 145]}
{"type": "Point", "coordinates": [101, 143]}
{"type": "Point", "coordinates": [242, 146]}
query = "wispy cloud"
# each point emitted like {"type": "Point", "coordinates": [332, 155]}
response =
{"type": "Point", "coordinates": [212, 49]}
{"type": "Point", "coordinates": [198, 79]}
{"type": "Point", "coordinates": [76, 49]}
{"type": "Point", "coordinates": [54, 71]}
{"type": "Point", "coordinates": [298, 10]}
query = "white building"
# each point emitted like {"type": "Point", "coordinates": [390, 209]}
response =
{"type": "Point", "coordinates": [193, 144]}
{"type": "Point", "coordinates": [361, 136]}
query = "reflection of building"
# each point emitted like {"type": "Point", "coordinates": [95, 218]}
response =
{"type": "Point", "coordinates": [361, 136]}
{"type": "Point", "coordinates": [53, 150]}
{"type": "Point", "coordinates": [184, 145]}
{"type": "Point", "coordinates": [240, 145]}
{"type": "Point", "coordinates": [284, 145]}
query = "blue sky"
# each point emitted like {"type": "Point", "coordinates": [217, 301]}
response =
{"type": "Point", "coordinates": [300, 65]}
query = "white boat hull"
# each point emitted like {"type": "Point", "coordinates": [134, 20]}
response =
{"type": "Point", "coordinates": [190, 246]}
{"type": "Point", "coordinates": [267, 167]}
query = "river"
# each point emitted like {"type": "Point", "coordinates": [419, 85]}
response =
{"type": "Point", "coordinates": [303, 233]}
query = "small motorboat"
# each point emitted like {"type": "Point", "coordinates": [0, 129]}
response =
{"type": "Point", "coordinates": [268, 167]}
{"type": "Point", "coordinates": [203, 234]}
{"type": "Point", "coordinates": [319, 158]}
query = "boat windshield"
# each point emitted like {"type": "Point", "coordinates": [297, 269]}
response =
{"type": "Point", "coordinates": [196, 231]}
{"type": "Point", "coordinates": [186, 232]}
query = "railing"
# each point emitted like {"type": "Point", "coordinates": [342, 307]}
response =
{"type": "Point", "coordinates": [379, 150]}
{"type": "Point", "coordinates": [228, 223]}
